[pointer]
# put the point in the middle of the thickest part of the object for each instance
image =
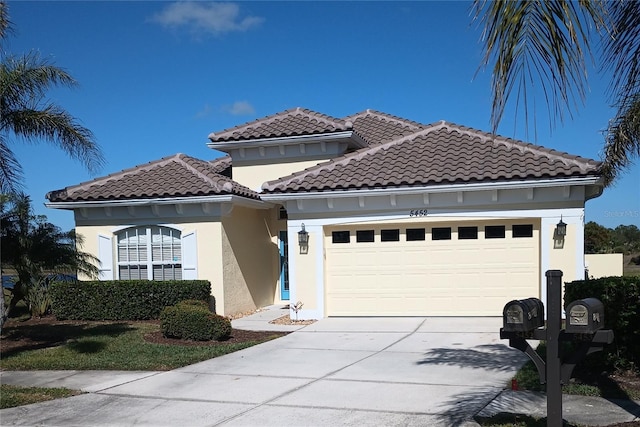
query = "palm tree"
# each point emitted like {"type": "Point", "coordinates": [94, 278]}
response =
{"type": "Point", "coordinates": [26, 114]}
{"type": "Point", "coordinates": [549, 42]}
{"type": "Point", "coordinates": [36, 249]}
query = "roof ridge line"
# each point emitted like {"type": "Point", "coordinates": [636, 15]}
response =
{"type": "Point", "coordinates": [397, 119]}
{"type": "Point", "coordinates": [227, 186]}
{"type": "Point", "coordinates": [522, 146]}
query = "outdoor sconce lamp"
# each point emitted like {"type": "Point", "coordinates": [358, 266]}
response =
{"type": "Point", "coordinates": [561, 229]}
{"type": "Point", "coordinates": [303, 240]}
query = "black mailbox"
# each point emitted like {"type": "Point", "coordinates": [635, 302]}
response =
{"type": "Point", "coordinates": [523, 315]}
{"type": "Point", "coordinates": [585, 316]}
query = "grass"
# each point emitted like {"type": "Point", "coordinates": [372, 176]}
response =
{"type": "Point", "coordinates": [109, 346]}
{"type": "Point", "coordinates": [528, 379]}
{"type": "Point", "coordinates": [11, 396]}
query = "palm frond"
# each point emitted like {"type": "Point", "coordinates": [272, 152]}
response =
{"type": "Point", "coordinates": [53, 125]}
{"type": "Point", "coordinates": [622, 49]}
{"type": "Point", "coordinates": [27, 114]}
{"type": "Point", "coordinates": [622, 140]}
{"type": "Point", "coordinates": [536, 43]}
{"type": "Point", "coordinates": [10, 169]}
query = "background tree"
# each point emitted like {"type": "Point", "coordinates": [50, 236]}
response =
{"type": "Point", "coordinates": [38, 250]}
{"type": "Point", "coordinates": [26, 115]}
{"type": "Point", "coordinates": [597, 239]}
{"type": "Point", "coordinates": [547, 44]}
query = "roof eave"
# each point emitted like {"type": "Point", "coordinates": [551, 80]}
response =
{"type": "Point", "coordinates": [508, 185]}
{"type": "Point", "coordinates": [350, 135]}
{"type": "Point", "coordinates": [227, 198]}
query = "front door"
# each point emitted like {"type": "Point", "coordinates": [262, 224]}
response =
{"type": "Point", "coordinates": [284, 266]}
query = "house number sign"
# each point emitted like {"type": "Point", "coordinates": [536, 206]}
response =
{"type": "Point", "coordinates": [418, 212]}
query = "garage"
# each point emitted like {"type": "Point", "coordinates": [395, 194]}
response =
{"type": "Point", "coordinates": [461, 268]}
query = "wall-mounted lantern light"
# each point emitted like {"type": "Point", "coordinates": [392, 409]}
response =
{"type": "Point", "coordinates": [303, 240]}
{"type": "Point", "coordinates": [561, 229]}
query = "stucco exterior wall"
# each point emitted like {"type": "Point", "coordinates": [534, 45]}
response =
{"type": "Point", "coordinates": [604, 265]}
{"type": "Point", "coordinates": [248, 253]}
{"type": "Point", "coordinates": [208, 247]}
{"type": "Point", "coordinates": [253, 176]}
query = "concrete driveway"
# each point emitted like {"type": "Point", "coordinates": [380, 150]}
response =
{"type": "Point", "coordinates": [337, 371]}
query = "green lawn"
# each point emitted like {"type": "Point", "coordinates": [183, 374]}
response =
{"type": "Point", "coordinates": [11, 396]}
{"type": "Point", "coordinates": [115, 346]}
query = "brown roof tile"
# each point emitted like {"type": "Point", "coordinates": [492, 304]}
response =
{"type": "Point", "coordinates": [441, 153]}
{"type": "Point", "coordinates": [293, 122]}
{"type": "Point", "coordinates": [376, 127]}
{"type": "Point", "coordinates": [174, 176]}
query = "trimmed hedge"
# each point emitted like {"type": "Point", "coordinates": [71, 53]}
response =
{"type": "Point", "coordinates": [193, 322]}
{"type": "Point", "coordinates": [621, 299]}
{"type": "Point", "coordinates": [123, 299]}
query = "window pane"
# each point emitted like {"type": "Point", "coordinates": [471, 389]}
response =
{"type": "Point", "coordinates": [494, 232]}
{"type": "Point", "coordinates": [390, 235]}
{"type": "Point", "coordinates": [364, 236]}
{"type": "Point", "coordinates": [523, 230]}
{"type": "Point", "coordinates": [414, 234]}
{"type": "Point", "coordinates": [441, 233]}
{"type": "Point", "coordinates": [340, 237]}
{"type": "Point", "coordinates": [467, 233]}
{"type": "Point", "coordinates": [164, 245]}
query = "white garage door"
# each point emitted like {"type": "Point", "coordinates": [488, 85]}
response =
{"type": "Point", "coordinates": [465, 269]}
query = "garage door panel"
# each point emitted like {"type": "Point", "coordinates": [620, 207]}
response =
{"type": "Point", "coordinates": [438, 278]}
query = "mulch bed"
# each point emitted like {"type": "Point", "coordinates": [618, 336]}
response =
{"type": "Point", "coordinates": [47, 331]}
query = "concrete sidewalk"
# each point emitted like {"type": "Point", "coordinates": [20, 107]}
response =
{"type": "Point", "coordinates": [337, 371]}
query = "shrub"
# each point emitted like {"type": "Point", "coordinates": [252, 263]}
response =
{"type": "Point", "coordinates": [123, 299]}
{"type": "Point", "coordinates": [621, 299]}
{"type": "Point", "coordinates": [193, 321]}
{"type": "Point", "coordinates": [38, 297]}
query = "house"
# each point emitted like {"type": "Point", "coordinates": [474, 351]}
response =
{"type": "Point", "coordinates": [367, 215]}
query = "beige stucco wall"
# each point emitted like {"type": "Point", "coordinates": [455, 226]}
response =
{"type": "Point", "coordinates": [604, 265]}
{"type": "Point", "coordinates": [253, 176]}
{"type": "Point", "coordinates": [209, 251]}
{"type": "Point", "coordinates": [563, 252]}
{"type": "Point", "coordinates": [307, 267]}
{"type": "Point", "coordinates": [248, 254]}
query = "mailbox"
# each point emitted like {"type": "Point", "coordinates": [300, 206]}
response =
{"type": "Point", "coordinates": [585, 316]}
{"type": "Point", "coordinates": [523, 315]}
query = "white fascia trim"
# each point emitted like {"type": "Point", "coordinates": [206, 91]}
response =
{"type": "Point", "coordinates": [288, 140]}
{"type": "Point", "coordinates": [439, 189]}
{"type": "Point", "coordinates": [242, 201]}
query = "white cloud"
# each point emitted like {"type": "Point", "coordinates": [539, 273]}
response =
{"type": "Point", "coordinates": [214, 18]}
{"type": "Point", "coordinates": [239, 108]}
{"type": "Point", "coordinates": [204, 112]}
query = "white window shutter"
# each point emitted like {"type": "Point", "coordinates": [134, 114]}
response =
{"type": "Point", "coordinates": [105, 255]}
{"type": "Point", "coordinates": [189, 256]}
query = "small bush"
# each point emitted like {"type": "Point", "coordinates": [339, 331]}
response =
{"type": "Point", "coordinates": [192, 321]}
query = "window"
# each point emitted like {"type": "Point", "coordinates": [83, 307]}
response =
{"type": "Point", "coordinates": [153, 253]}
{"type": "Point", "coordinates": [415, 234]}
{"type": "Point", "coordinates": [467, 233]}
{"type": "Point", "coordinates": [523, 230]}
{"type": "Point", "coordinates": [364, 236]}
{"type": "Point", "coordinates": [494, 232]}
{"type": "Point", "coordinates": [390, 235]}
{"type": "Point", "coordinates": [441, 233]}
{"type": "Point", "coordinates": [340, 237]}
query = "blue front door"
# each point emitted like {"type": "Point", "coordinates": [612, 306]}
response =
{"type": "Point", "coordinates": [284, 266]}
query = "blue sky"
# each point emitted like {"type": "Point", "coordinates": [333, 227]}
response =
{"type": "Point", "coordinates": [157, 77]}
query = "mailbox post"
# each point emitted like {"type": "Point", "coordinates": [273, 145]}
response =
{"type": "Point", "coordinates": [524, 319]}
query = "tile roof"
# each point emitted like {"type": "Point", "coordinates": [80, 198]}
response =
{"type": "Point", "coordinates": [173, 176]}
{"type": "Point", "coordinates": [376, 127]}
{"type": "Point", "coordinates": [441, 153]}
{"type": "Point", "coordinates": [293, 122]}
